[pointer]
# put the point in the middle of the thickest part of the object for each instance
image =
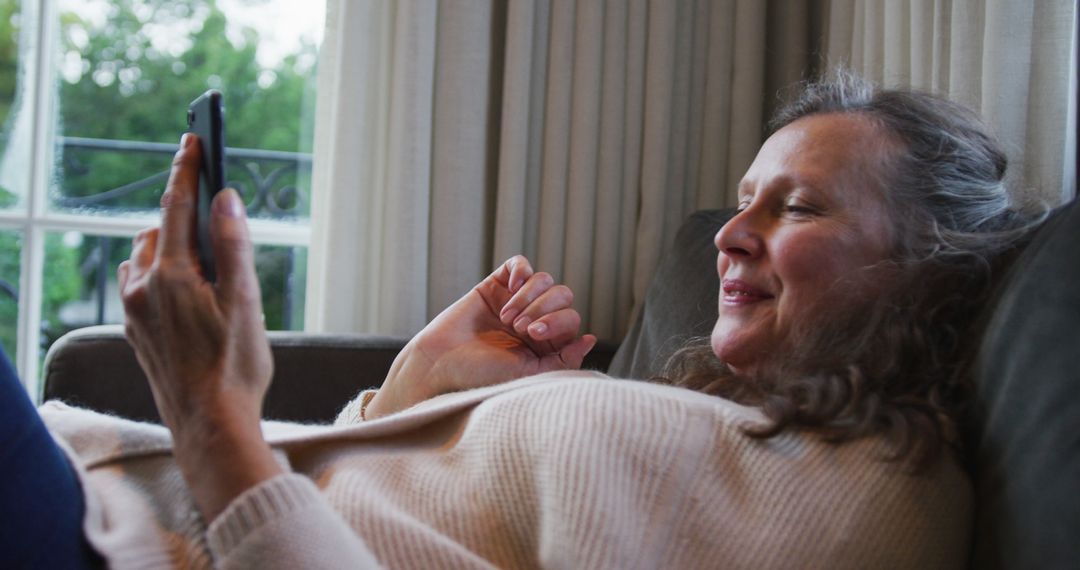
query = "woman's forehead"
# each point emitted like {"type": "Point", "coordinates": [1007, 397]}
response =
{"type": "Point", "coordinates": [818, 152]}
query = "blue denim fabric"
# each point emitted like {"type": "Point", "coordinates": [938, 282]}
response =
{"type": "Point", "coordinates": [41, 502]}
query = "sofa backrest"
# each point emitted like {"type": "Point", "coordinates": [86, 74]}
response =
{"type": "Point", "coordinates": [681, 302]}
{"type": "Point", "coordinates": [1026, 444]}
{"type": "Point", "coordinates": [1026, 437]}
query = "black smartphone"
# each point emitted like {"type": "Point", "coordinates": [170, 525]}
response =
{"type": "Point", "coordinates": [206, 119]}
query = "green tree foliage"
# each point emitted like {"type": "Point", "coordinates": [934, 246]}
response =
{"type": "Point", "coordinates": [123, 81]}
{"type": "Point", "coordinates": [9, 48]}
{"type": "Point", "coordinates": [9, 69]}
{"type": "Point", "coordinates": [9, 283]}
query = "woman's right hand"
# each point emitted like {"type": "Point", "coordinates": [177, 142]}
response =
{"type": "Point", "coordinates": [202, 345]}
{"type": "Point", "coordinates": [514, 323]}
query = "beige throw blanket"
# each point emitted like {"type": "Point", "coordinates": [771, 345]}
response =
{"type": "Point", "coordinates": [562, 470]}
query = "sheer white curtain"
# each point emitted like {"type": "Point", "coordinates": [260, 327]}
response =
{"type": "Point", "coordinates": [1013, 61]}
{"type": "Point", "coordinates": [451, 135]}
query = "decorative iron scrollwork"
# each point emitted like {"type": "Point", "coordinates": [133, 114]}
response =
{"type": "Point", "coordinates": [261, 184]}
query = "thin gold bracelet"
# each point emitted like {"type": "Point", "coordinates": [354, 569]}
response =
{"type": "Point", "coordinates": [366, 399]}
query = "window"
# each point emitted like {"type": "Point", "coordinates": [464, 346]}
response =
{"type": "Point", "coordinates": [93, 96]}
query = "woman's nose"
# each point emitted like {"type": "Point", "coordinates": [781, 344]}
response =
{"type": "Point", "coordinates": [740, 238]}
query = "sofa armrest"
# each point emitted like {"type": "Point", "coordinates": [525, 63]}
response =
{"type": "Point", "coordinates": [315, 375]}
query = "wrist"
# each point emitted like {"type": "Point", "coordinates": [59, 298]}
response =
{"type": "Point", "coordinates": [222, 459]}
{"type": "Point", "coordinates": [405, 384]}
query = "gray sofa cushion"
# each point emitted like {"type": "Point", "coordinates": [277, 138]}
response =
{"type": "Point", "coordinates": [314, 375]}
{"type": "Point", "coordinates": [1027, 451]}
{"type": "Point", "coordinates": [681, 302]}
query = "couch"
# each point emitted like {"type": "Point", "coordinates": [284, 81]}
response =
{"type": "Point", "coordinates": [1024, 439]}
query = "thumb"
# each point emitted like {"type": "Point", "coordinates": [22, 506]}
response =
{"type": "Point", "coordinates": [574, 353]}
{"type": "Point", "coordinates": [233, 253]}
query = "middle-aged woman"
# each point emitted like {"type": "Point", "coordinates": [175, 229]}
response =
{"type": "Point", "coordinates": [814, 430]}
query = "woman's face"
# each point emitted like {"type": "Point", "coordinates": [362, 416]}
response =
{"type": "Point", "coordinates": [812, 216]}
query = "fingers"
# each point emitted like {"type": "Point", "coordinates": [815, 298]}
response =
{"type": "Point", "coordinates": [130, 272]}
{"type": "Point", "coordinates": [537, 296]}
{"type": "Point", "coordinates": [541, 310]}
{"type": "Point", "coordinates": [178, 203]}
{"type": "Point", "coordinates": [557, 327]}
{"type": "Point", "coordinates": [520, 271]}
{"type": "Point", "coordinates": [513, 273]}
{"type": "Point", "coordinates": [143, 248]}
{"type": "Point", "coordinates": [573, 354]}
{"type": "Point", "coordinates": [233, 252]}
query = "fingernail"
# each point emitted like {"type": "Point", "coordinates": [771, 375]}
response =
{"type": "Point", "coordinates": [516, 285]}
{"type": "Point", "coordinates": [506, 315]}
{"type": "Point", "coordinates": [522, 323]}
{"type": "Point", "coordinates": [538, 329]}
{"type": "Point", "coordinates": [229, 203]}
{"type": "Point", "coordinates": [185, 140]}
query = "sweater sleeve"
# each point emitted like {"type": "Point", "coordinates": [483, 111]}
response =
{"type": "Point", "coordinates": [285, 523]}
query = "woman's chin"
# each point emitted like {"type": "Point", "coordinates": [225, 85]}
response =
{"type": "Point", "coordinates": [738, 352]}
{"type": "Point", "coordinates": [726, 350]}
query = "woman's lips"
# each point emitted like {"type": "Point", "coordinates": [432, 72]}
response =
{"type": "Point", "coordinates": [742, 293]}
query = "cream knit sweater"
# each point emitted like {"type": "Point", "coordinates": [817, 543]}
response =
{"type": "Point", "coordinates": [562, 470]}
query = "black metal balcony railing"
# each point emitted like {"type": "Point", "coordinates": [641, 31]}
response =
{"type": "Point", "coordinates": [266, 180]}
{"type": "Point", "coordinates": [263, 193]}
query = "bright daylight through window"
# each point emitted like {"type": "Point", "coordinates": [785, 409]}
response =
{"type": "Point", "coordinates": [93, 99]}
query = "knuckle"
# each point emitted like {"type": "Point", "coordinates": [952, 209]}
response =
{"type": "Point", "coordinates": [145, 234]}
{"type": "Point", "coordinates": [234, 243]}
{"type": "Point", "coordinates": [134, 298]}
{"type": "Point", "coordinates": [182, 158]}
{"type": "Point", "coordinates": [130, 333]}
{"type": "Point", "coordinates": [575, 319]}
{"type": "Point", "coordinates": [564, 292]}
{"type": "Point", "coordinates": [168, 273]}
{"type": "Point", "coordinates": [172, 199]}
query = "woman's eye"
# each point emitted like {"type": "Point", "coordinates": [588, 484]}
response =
{"type": "Point", "coordinates": [799, 210]}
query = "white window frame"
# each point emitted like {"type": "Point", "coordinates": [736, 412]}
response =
{"type": "Point", "coordinates": [34, 218]}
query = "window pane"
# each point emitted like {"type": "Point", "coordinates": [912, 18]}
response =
{"type": "Point", "coordinates": [10, 246]}
{"type": "Point", "coordinates": [128, 70]}
{"type": "Point", "coordinates": [16, 121]}
{"type": "Point", "coordinates": [282, 278]}
{"type": "Point", "coordinates": [80, 282]}
{"type": "Point", "coordinates": [81, 288]}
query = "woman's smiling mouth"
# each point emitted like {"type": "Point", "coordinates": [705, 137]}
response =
{"type": "Point", "coordinates": [738, 292]}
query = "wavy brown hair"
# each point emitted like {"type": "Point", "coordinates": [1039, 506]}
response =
{"type": "Point", "coordinates": [896, 365]}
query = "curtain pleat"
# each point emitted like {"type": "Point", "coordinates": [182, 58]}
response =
{"type": "Point", "coordinates": [607, 250]}
{"type": "Point", "coordinates": [464, 149]}
{"type": "Point", "coordinates": [1008, 60]}
{"type": "Point", "coordinates": [625, 295]}
{"type": "Point", "coordinates": [406, 163]}
{"type": "Point", "coordinates": [585, 103]}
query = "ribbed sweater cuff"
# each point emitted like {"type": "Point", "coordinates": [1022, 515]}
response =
{"type": "Point", "coordinates": [265, 502]}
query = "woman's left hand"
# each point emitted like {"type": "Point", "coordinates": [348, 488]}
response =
{"type": "Point", "coordinates": [514, 323]}
{"type": "Point", "coordinates": [203, 346]}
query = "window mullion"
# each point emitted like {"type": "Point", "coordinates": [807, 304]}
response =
{"type": "Point", "coordinates": [30, 296]}
{"type": "Point", "coordinates": [33, 258]}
